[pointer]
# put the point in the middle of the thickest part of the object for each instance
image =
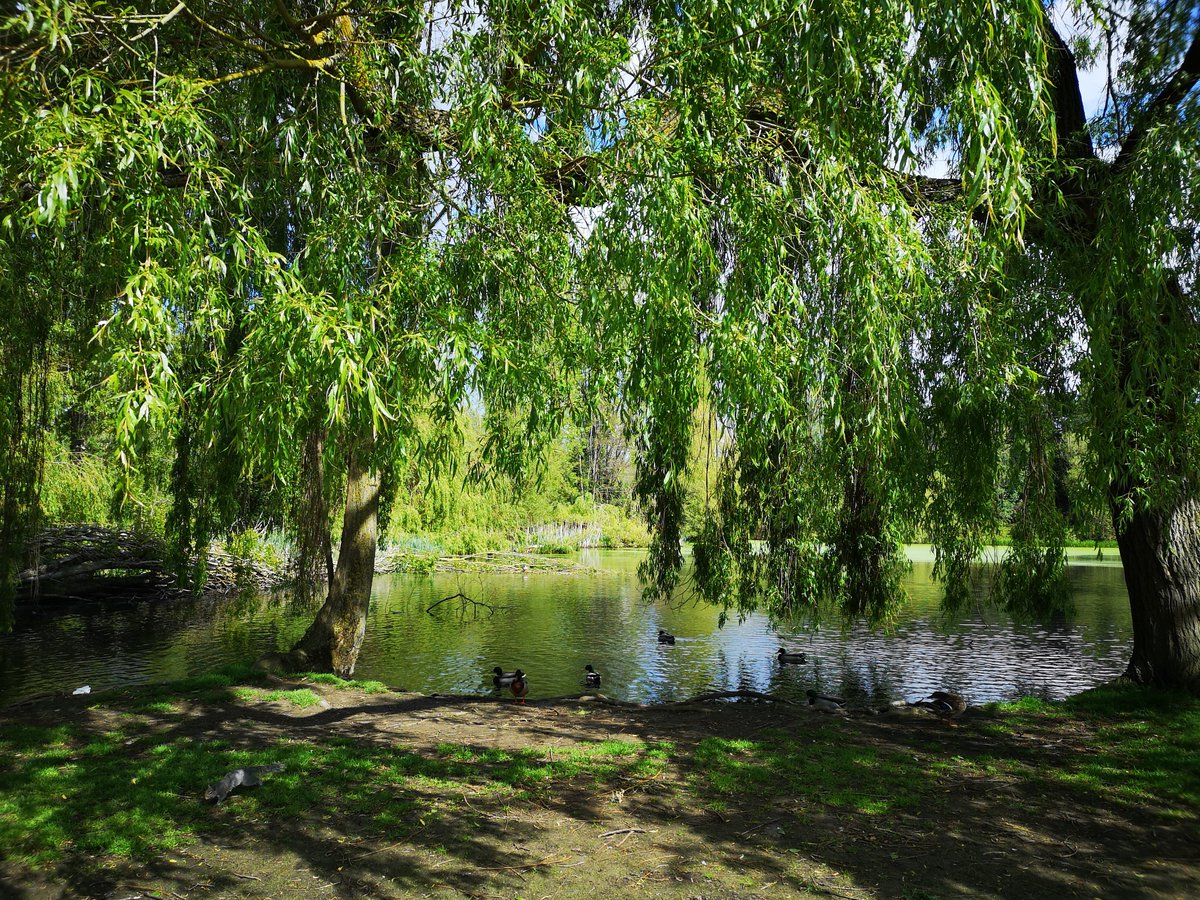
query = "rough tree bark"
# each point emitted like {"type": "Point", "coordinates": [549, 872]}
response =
{"type": "Point", "coordinates": [333, 641]}
{"type": "Point", "coordinates": [1160, 552]}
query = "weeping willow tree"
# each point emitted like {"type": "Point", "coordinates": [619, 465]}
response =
{"type": "Point", "coordinates": [329, 224]}
{"type": "Point", "coordinates": [892, 352]}
{"type": "Point", "coordinates": [311, 224]}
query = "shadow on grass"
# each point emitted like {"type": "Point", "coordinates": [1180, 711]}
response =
{"type": "Point", "coordinates": [1036, 799]}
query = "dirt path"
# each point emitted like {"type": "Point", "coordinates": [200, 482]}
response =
{"type": "Point", "coordinates": [451, 797]}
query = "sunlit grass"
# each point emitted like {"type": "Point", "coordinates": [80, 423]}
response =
{"type": "Point", "coordinates": [128, 793]}
{"type": "Point", "coordinates": [1136, 746]}
{"type": "Point", "coordinates": [366, 687]}
{"type": "Point", "coordinates": [302, 698]}
{"type": "Point", "coordinates": [119, 794]}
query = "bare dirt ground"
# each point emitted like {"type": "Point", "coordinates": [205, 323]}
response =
{"type": "Point", "coordinates": [980, 829]}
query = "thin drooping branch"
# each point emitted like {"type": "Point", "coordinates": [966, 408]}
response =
{"type": "Point", "coordinates": [1162, 106]}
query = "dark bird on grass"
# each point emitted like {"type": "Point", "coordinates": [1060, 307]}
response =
{"type": "Point", "coordinates": [825, 703]}
{"type": "Point", "coordinates": [665, 638]}
{"type": "Point", "coordinates": [250, 776]}
{"type": "Point", "coordinates": [943, 703]}
{"type": "Point", "coordinates": [519, 685]}
{"type": "Point", "coordinates": [502, 678]}
{"type": "Point", "coordinates": [591, 676]}
{"type": "Point", "coordinates": [786, 656]}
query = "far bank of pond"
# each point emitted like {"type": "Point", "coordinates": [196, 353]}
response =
{"type": "Point", "coordinates": [552, 624]}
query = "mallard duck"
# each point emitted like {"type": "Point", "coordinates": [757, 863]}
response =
{"type": "Point", "coordinates": [502, 678]}
{"type": "Point", "coordinates": [944, 703]}
{"type": "Point", "coordinates": [785, 656]}
{"type": "Point", "coordinates": [591, 676]}
{"type": "Point", "coordinates": [665, 638]}
{"type": "Point", "coordinates": [519, 685]}
{"type": "Point", "coordinates": [825, 703]}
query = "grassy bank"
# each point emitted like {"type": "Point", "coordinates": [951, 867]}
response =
{"type": "Point", "coordinates": [392, 794]}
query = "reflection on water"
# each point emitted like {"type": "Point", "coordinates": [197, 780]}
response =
{"type": "Point", "coordinates": [552, 625]}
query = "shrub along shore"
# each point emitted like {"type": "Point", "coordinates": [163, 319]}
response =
{"type": "Point", "coordinates": [388, 793]}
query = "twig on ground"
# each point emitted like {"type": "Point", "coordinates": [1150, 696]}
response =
{"type": "Point", "coordinates": [625, 831]}
{"type": "Point", "coordinates": [760, 825]}
{"type": "Point", "coordinates": [830, 891]}
{"type": "Point", "coordinates": [388, 847]}
{"type": "Point", "coordinates": [548, 861]}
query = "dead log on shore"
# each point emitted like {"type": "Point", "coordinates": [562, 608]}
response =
{"type": "Point", "coordinates": [80, 563]}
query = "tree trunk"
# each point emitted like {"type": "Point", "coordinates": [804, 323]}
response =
{"type": "Point", "coordinates": [314, 552]}
{"type": "Point", "coordinates": [334, 639]}
{"type": "Point", "coordinates": [1160, 552]}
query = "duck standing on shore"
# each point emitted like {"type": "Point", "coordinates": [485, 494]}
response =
{"type": "Point", "coordinates": [591, 677]}
{"type": "Point", "coordinates": [519, 685]}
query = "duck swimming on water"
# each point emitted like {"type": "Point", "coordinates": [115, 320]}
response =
{"type": "Point", "coordinates": [786, 656]}
{"type": "Point", "coordinates": [665, 637]}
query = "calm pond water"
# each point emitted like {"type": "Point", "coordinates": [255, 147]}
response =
{"type": "Point", "coordinates": [551, 625]}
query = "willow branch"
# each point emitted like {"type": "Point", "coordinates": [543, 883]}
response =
{"type": "Point", "coordinates": [1162, 106]}
{"type": "Point", "coordinates": [297, 62]}
{"type": "Point", "coordinates": [180, 7]}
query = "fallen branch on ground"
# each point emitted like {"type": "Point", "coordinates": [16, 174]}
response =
{"type": "Point", "coordinates": [548, 861]}
{"type": "Point", "coordinates": [625, 831]}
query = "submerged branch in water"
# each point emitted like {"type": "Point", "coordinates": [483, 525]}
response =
{"type": "Point", "coordinates": [465, 603]}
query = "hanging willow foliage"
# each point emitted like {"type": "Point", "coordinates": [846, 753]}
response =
{"type": "Point", "coordinates": [405, 207]}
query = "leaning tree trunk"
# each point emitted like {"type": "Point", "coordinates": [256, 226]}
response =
{"type": "Point", "coordinates": [1160, 551]}
{"type": "Point", "coordinates": [334, 639]}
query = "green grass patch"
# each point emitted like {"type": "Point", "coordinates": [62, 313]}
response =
{"type": "Point", "coordinates": [1132, 745]}
{"type": "Point", "coordinates": [125, 793]}
{"type": "Point", "coordinates": [830, 772]}
{"type": "Point", "coordinates": [1148, 744]}
{"type": "Point", "coordinates": [302, 698]}
{"type": "Point", "coordinates": [212, 687]}
{"type": "Point", "coordinates": [367, 687]}
{"type": "Point", "coordinates": [120, 795]}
